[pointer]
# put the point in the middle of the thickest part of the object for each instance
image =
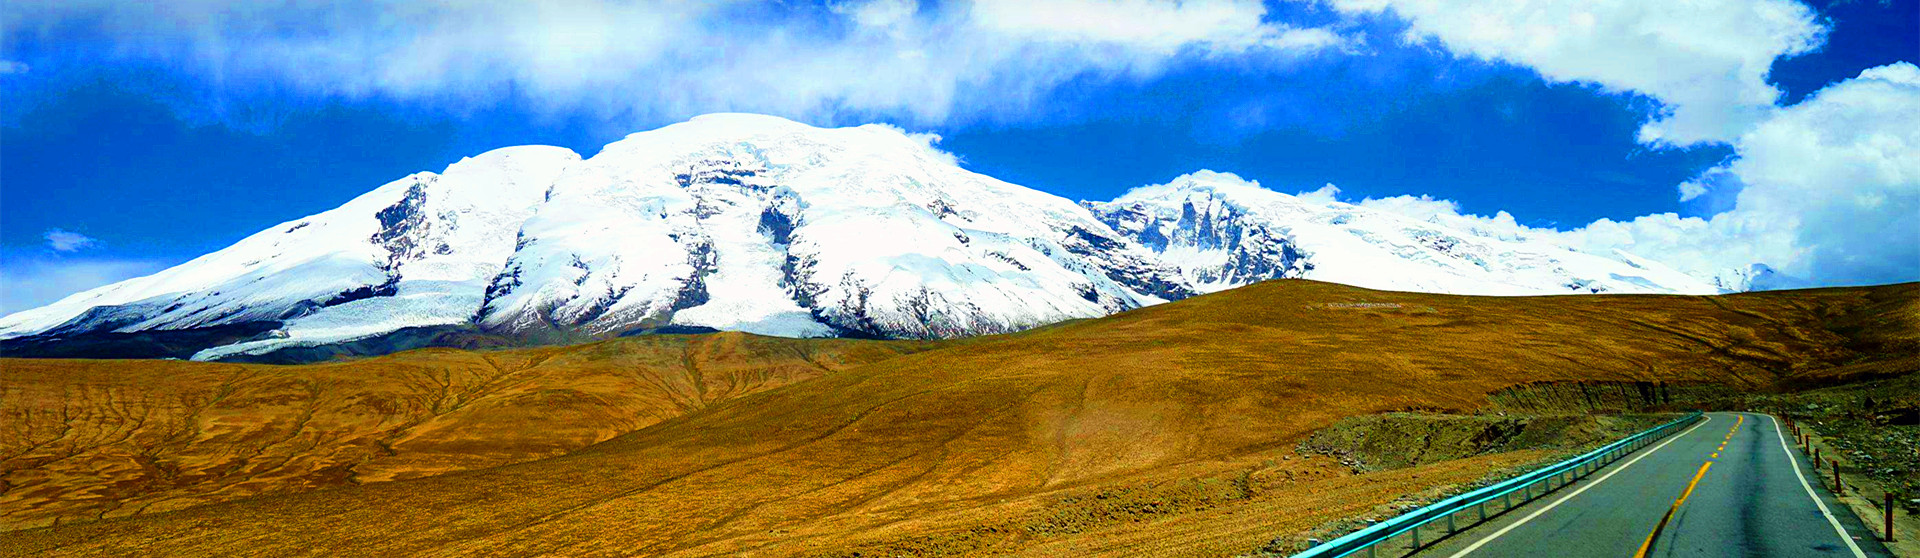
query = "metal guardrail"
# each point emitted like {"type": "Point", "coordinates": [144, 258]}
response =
{"type": "Point", "coordinates": [1373, 539]}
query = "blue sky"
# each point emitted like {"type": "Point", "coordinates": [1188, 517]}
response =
{"type": "Point", "coordinates": [133, 138]}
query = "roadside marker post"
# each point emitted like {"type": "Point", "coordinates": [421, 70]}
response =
{"type": "Point", "coordinates": [1889, 516]}
{"type": "Point", "coordinates": [1838, 489]}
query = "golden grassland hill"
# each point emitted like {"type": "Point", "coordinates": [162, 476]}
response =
{"type": "Point", "coordinates": [1169, 430]}
{"type": "Point", "coordinates": [87, 439]}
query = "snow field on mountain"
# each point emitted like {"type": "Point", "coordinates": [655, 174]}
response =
{"type": "Point", "coordinates": [760, 224]}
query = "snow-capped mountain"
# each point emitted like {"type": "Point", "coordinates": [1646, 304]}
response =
{"type": "Point", "coordinates": [760, 224]}
{"type": "Point", "coordinates": [1222, 232]}
{"type": "Point", "coordinates": [734, 222]}
{"type": "Point", "coordinates": [764, 225]}
{"type": "Point", "coordinates": [417, 251]}
{"type": "Point", "coordinates": [1756, 277]}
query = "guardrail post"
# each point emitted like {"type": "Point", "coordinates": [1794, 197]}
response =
{"type": "Point", "coordinates": [1450, 527]}
{"type": "Point", "coordinates": [1416, 536]}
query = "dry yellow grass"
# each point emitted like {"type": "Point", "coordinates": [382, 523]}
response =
{"type": "Point", "coordinates": [86, 439]}
{"type": "Point", "coordinates": [1167, 428]}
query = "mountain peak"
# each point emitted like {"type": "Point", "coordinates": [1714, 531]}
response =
{"type": "Point", "coordinates": [520, 157]}
{"type": "Point", "coordinates": [1224, 231]}
{"type": "Point", "coordinates": [1213, 183]}
{"type": "Point", "coordinates": [760, 224]}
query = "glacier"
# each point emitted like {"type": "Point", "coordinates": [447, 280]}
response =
{"type": "Point", "coordinates": [760, 224]}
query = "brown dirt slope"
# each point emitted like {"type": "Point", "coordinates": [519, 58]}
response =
{"type": "Point", "coordinates": [1166, 431]}
{"type": "Point", "coordinates": [85, 439]}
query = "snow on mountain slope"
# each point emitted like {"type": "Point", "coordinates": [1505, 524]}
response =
{"type": "Point", "coordinates": [1223, 231]}
{"type": "Point", "coordinates": [765, 225]}
{"type": "Point", "coordinates": [417, 251]}
{"type": "Point", "coordinates": [1756, 277]}
{"type": "Point", "coordinates": [760, 224]}
{"type": "Point", "coordinates": [735, 222]}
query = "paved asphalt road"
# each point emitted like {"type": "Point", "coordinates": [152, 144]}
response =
{"type": "Point", "coordinates": [1742, 498]}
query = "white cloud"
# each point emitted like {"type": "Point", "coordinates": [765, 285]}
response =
{"type": "Point", "coordinates": [13, 67]}
{"type": "Point", "coordinates": [1706, 60]}
{"type": "Point", "coordinates": [1829, 191]}
{"type": "Point", "coordinates": [1428, 208]}
{"type": "Point", "coordinates": [68, 241]}
{"type": "Point", "coordinates": [1326, 194]}
{"type": "Point", "coordinates": [1692, 189]}
{"type": "Point", "coordinates": [1825, 189]}
{"type": "Point", "coordinates": [675, 59]}
{"type": "Point", "coordinates": [1150, 25]}
{"type": "Point", "coordinates": [33, 283]}
{"type": "Point", "coordinates": [878, 14]}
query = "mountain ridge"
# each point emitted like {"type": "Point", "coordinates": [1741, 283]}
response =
{"type": "Point", "coordinates": [764, 225]}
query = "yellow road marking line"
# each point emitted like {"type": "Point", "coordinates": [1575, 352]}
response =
{"type": "Point", "coordinates": [1730, 432]}
{"type": "Point", "coordinates": [1646, 546]}
{"type": "Point", "coordinates": [1596, 482]}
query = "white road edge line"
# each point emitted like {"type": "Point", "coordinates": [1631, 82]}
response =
{"type": "Point", "coordinates": [1795, 465]}
{"type": "Point", "coordinates": [1596, 482]}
